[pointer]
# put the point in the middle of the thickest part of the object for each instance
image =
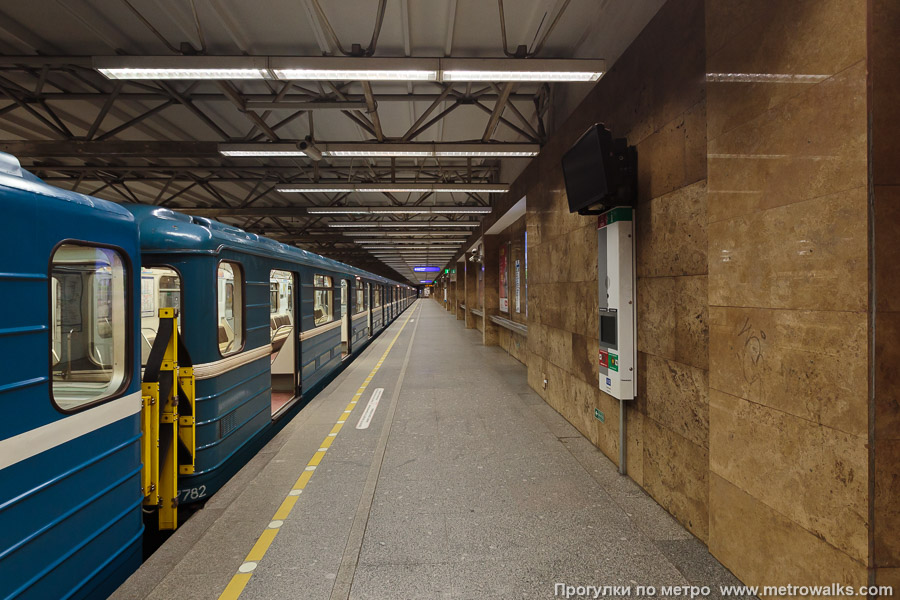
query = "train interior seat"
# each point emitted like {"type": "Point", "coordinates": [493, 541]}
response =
{"type": "Point", "coordinates": [226, 336]}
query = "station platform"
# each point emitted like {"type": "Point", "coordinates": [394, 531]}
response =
{"type": "Point", "coordinates": [464, 484]}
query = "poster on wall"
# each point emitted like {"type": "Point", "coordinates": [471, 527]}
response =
{"type": "Point", "coordinates": [518, 283]}
{"type": "Point", "coordinates": [504, 284]}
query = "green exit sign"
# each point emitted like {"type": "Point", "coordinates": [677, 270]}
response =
{"type": "Point", "coordinates": [446, 271]}
{"type": "Point", "coordinates": [598, 414]}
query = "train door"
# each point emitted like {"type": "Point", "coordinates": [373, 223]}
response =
{"type": "Point", "coordinates": [285, 340]}
{"type": "Point", "coordinates": [345, 318]}
{"type": "Point", "coordinates": [371, 307]}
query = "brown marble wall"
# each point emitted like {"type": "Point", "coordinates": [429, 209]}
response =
{"type": "Point", "coordinates": [490, 289]}
{"type": "Point", "coordinates": [788, 289]}
{"type": "Point", "coordinates": [884, 106]}
{"type": "Point", "coordinates": [654, 96]}
{"type": "Point", "coordinates": [768, 137]}
{"type": "Point", "coordinates": [470, 271]}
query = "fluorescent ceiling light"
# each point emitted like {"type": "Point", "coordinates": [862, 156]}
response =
{"type": "Point", "coordinates": [337, 68]}
{"type": "Point", "coordinates": [424, 234]}
{"type": "Point", "coordinates": [570, 76]}
{"type": "Point", "coordinates": [182, 67]}
{"type": "Point", "coordinates": [419, 150]}
{"type": "Point", "coordinates": [412, 243]}
{"type": "Point", "coordinates": [331, 68]}
{"type": "Point", "coordinates": [404, 224]}
{"type": "Point", "coordinates": [411, 248]}
{"type": "Point", "coordinates": [530, 69]}
{"type": "Point", "coordinates": [323, 189]}
{"type": "Point", "coordinates": [376, 153]}
{"type": "Point", "coordinates": [361, 210]}
{"type": "Point", "coordinates": [485, 188]}
{"type": "Point", "coordinates": [354, 75]}
{"type": "Point", "coordinates": [441, 239]}
{"type": "Point", "coordinates": [257, 150]}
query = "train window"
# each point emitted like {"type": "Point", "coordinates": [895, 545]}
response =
{"type": "Point", "coordinates": [160, 288]}
{"type": "Point", "coordinates": [273, 297]}
{"type": "Point", "coordinates": [89, 342]}
{"type": "Point", "coordinates": [323, 295]}
{"type": "Point", "coordinates": [230, 304]}
{"type": "Point", "coordinates": [360, 297]}
{"type": "Point", "coordinates": [377, 295]}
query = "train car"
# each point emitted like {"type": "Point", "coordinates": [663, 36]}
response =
{"type": "Point", "coordinates": [70, 516]}
{"type": "Point", "coordinates": [267, 325]}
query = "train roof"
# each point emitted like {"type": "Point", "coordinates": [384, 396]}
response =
{"type": "Point", "coordinates": [166, 230]}
{"type": "Point", "coordinates": [13, 176]}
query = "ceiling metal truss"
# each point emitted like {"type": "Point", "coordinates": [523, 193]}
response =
{"type": "Point", "coordinates": [129, 141]}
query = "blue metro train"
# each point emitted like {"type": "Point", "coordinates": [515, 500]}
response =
{"type": "Point", "coordinates": [82, 285]}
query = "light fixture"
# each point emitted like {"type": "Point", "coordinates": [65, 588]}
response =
{"type": "Point", "coordinates": [531, 69]}
{"type": "Point", "coordinates": [423, 234]}
{"type": "Point", "coordinates": [337, 68]}
{"type": "Point", "coordinates": [412, 243]}
{"type": "Point", "coordinates": [360, 210]}
{"type": "Point", "coordinates": [411, 248]}
{"type": "Point", "coordinates": [182, 67]}
{"type": "Point", "coordinates": [404, 224]}
{"type": "Point", "coordinates": [352, 68]}
{"type": "Point", "coordinates": [415, 241]}
{"type": "Point", "coordinates": [419, 150]}
{"type": "Point", "coordinates": [257, 150]}
{"type": "Point", "coordinates": [389, 149]}
{"type": "Point", "coordinates": [486, 188]}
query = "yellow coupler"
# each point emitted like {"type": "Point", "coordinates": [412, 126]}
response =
{"type": "Point", "coordinates": [167, 418]}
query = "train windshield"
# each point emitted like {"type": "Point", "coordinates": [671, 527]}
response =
{"type": "Point", "coordinates": [89, 333]}
{"type": "Point", "coordinates": [160, 288]}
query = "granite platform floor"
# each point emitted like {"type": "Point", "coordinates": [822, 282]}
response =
{"type": "Point", "coordinates": [465, 485]}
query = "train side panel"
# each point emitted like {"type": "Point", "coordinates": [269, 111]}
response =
{"type": "Point", "coordinates": [70, 518]}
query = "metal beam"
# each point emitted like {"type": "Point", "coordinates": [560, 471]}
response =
{"type": "Point", "coordinates": [498, 112]}
{"type": "Point", "coordinates": [372, 110]}
{"type": "Point", "coordinates": [409, 133]}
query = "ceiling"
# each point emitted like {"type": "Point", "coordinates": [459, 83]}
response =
{"type": "Point", "coordinates": [157, 141]}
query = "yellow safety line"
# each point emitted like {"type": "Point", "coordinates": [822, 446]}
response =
{"type": "Point", "coordinates": [236, 586]}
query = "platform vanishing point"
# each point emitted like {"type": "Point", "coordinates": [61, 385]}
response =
{"type": "Point", "coordinates": [464, 484]}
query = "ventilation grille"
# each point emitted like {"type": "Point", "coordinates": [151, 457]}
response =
{"type": "Point", "coordinates": [227, 424]}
